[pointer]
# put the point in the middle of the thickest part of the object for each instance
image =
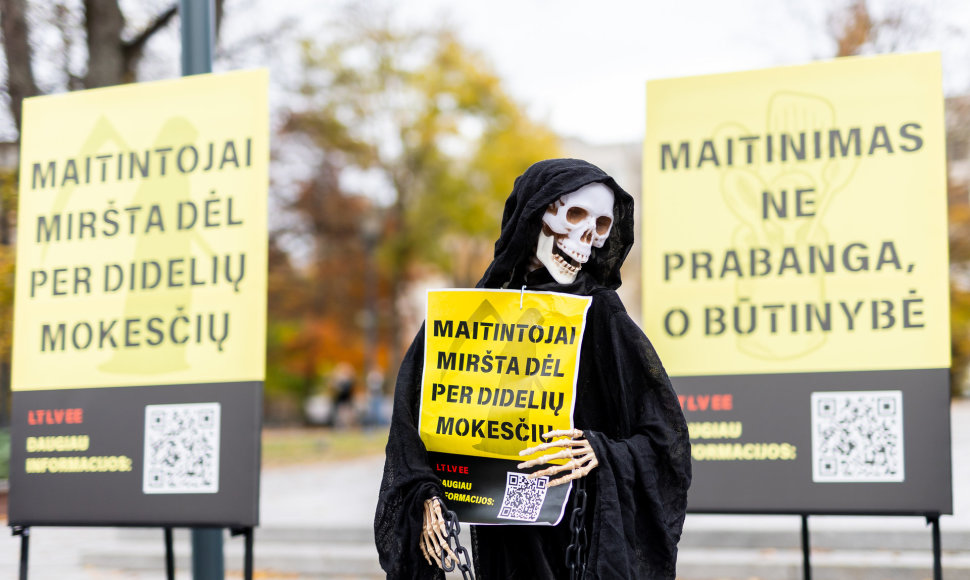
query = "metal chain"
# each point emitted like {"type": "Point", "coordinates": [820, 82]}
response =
{"type": "Point", "coordinates": [463, 562]}
{"type": "Point", "coordinates": [576, 552]}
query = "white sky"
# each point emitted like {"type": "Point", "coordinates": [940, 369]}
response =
{"type": "Point", "coordinates": [581, 66]}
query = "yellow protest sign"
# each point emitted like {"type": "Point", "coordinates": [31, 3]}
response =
{"type": "Point", "coordinates": [500, 369]}
{"type": "Point", "coordinates": [795, 219]}
{"type": "Point", "coordinates": [142, 237]}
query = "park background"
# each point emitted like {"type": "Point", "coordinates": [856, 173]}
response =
{"type": "Point", "coordinates": [399, 127]}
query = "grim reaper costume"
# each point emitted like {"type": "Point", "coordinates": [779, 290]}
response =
{"type": "Point", "coordinates": [625, 405]}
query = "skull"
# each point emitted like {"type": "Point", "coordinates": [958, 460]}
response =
{"type": "Point", "coordinates": [571, 227]}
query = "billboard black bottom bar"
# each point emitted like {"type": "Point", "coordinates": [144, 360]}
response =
{"type": "Point", "coordinates": [176, 455]}
{"type": "Point", "coordinates": [868, 442]}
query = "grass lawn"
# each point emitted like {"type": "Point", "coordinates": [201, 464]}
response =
{"type": "Point", "coordinates": [288, 446]}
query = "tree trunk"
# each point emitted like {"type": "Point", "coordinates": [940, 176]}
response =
{"type": "Point", "coordinates": [106, 52]}
{"type": "Point", "coordinates": [20, 76]}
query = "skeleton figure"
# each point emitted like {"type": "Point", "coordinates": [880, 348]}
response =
{"type": "Point", "coordinates": [567, 227]}
{"type": "Point", "coordinates": [572, 226]}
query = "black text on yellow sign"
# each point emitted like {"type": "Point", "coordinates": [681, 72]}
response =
{"type": "Point", "coordinates": [821, 243]}
{"type": "Point", "coordinates": [500, 369]}
{"type": "Point", "coordinates": [142, 249]}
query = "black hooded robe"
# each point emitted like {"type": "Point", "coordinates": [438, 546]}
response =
{"type": "Point", "coordinates": [626, 407]}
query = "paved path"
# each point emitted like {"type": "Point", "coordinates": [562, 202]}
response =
{"type": "Point", "coordinates": [344, 495]}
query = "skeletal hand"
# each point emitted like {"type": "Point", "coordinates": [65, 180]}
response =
{"type": "Point", "coordinates": [581, 457]}
{"type": "Point", "coordinates": [433, 534]}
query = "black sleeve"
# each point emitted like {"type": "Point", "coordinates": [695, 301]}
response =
{"type": "Point", "coordinates": [408, 479]}
{"type": "Point", "coordinates": [643, 476]}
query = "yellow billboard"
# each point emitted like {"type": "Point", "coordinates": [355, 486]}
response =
{"type": "Point", "coordinates": [500, 369]}
{"type": "Point", "coordinates": [141, 247]}
{"type": "Point", "coordinates": [794, 219]}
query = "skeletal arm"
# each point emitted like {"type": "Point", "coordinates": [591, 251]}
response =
{"type": "Point", "coordinates": [576, 448]}
{"type": "Point", "coordinates": [433, 532]}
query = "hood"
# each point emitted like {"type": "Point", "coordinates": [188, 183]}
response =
{"type": "Point", "coordinates": [533, 191]}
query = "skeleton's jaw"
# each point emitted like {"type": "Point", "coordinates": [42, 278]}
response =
{"type": "Point", "coordinates": [574, 253]}
{"type": "Point", "coordinates": [560, 265]}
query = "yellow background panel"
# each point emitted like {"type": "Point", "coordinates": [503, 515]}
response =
{"type": "Point", "coordinates": [883, 204]}
{"type": "Point", "coordinates": [194, 230]}
{"type": "Point", "coordinates": [563, 314]}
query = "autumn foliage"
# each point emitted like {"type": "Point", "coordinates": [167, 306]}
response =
{"type": "Point", "coordinates": [415, 146]}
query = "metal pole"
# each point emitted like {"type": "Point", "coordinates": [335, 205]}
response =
{"type": "Point", "coordinates": [806, 550]}
{"type": "Point", "coordinates": [207, 559]}
{"type": "Point", "coordinates": [169, 555]}
{"type": "Point", "coordinates": [198, 35]}
{"type": "Point", "coordinates": [24, 533]}
{"type": "Point", "coordinates": [248, 556]}
{"type": "Point", "coordinates": [371, 231]}
{"type": "Point", "coordinates": [934, 521]}
{"type": "Point", "coordinates": [198, 38]}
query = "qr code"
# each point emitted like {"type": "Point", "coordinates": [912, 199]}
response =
{"type": "Point", "coordinates": [523, 497]}
{"type": "Point", "coordinates": [857, 436]}
{"type": "Point", "coordinates": [181, 448]}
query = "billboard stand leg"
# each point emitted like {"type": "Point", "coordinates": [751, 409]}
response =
{"type": "Point", "coordinates": [247, 534]}
{"type": "Point", "coordinates": [934, 521]}
{"type": "Point", "coordinates": [169, 555]}
{"type": "Point", "coordinates": [806, 550]}
{"type": "Point", "coordinates": [24, 533]}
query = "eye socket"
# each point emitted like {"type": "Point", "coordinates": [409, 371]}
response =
{"type": "Point", "coordinates": [603, 225]}
{"type": "Point", "coordinates": [576, 214]}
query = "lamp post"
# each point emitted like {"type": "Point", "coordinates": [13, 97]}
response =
{"type": "Point", "coordinates": [370, 233]}
{"type": "Point", "coordinates": [198, 38]}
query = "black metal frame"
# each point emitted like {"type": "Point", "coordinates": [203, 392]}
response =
{"type": "Point", "coordinates": [245, 531]}
{"type": "Point", "coordinates": [932, 519]}
{"type": "Point", "coordinates": [24, 533]}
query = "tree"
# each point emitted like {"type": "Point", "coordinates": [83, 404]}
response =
{"type": "Point", "coordinates": [958, 147]}
{"type": "Point", "coordinates": [315, 309]}
{"type": "Point", "coordinates": [44, 35]}
{"type": "Point", "coordinates": [411, 130]}
{"type": "Point", "coordinates": [857, 29]}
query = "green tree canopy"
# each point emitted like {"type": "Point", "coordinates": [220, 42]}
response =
{"type": "Point", "coordinates": [415, 145]}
